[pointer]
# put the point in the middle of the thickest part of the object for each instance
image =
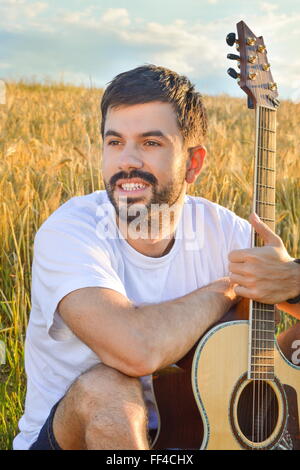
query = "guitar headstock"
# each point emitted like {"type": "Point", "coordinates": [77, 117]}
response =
{"type": "Point", "coordinates": [254, 76]}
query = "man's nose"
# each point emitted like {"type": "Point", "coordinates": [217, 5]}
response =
{"type": "Point", "coordinates": [129, 158]}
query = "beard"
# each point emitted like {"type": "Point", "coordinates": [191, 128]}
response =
{"type": "Point", "coordinates": [157, 212]}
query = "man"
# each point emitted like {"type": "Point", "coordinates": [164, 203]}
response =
{"type": "Point", "coordinates": [113, 299]}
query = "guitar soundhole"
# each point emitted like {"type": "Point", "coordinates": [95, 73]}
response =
{"type": "Point", "coordinates": [257, 411]}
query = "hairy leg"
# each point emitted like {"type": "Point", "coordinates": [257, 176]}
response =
{"type": "Point", "coordinates": [103, 409]}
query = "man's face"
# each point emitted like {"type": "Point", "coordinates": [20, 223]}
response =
{"type": "Point", "coordinates": [143, 158]}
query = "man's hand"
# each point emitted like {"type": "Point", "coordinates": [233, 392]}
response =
{"type": "Point", "coordinates": [266, 274]}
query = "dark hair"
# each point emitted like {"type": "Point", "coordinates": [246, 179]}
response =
{"type": "Point", "coordinates": [152, 83]}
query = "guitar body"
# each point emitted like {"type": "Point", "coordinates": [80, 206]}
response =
{"type": "Point", "coordinates": [179, 421]}
{"type": "Point", "coordinates": [238, 388]}
{"type": "Point", "coordinates": [218, 386]}
{"type": "Point", "coordinates": [206, 401]}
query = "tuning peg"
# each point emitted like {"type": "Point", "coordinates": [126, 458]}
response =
{"type": "Point", "coordinates": [252, 76]}
{"type": "Point", "coordinates": [252, 59]}
{"type": "Point", "coordinates": [233, 57]}
{"type": "Point", "coordinates": [274, 101]}
{"type": "Point", "coordinates": [233, 73]}
{"type": "Point", "coordinates": [251, 41]}
{"type": "Point", "coordinates": [250, 103]}
{"type": "Point", "coordinates": [272, 86]}
{"type": "Point", "coordinates": [230, 39]}
{"type": "Point", "coordinates": [261, 48]}
{"type": "Point", "coordinates": [266, 67]}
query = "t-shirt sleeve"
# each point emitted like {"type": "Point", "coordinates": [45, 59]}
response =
{"type": "Point", "coordinates": [66, 259]}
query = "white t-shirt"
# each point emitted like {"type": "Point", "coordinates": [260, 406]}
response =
{"type": "Point", "coordinates": [77, 247]}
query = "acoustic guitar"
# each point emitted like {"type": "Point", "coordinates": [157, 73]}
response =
{"type": "Point", "coordinates": [236, 389]}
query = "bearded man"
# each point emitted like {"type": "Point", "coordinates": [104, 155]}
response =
{"type": "Point", "coordinates": [126, 280]}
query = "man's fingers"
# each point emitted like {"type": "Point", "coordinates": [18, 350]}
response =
{"type": "Point", "coordinates": [237, 256]}
{"type": "Point", "coordinates": [268, 236]}
{"type": "Point", "coordinates": [240, 256]}
{"type": "Point", "coordinates": [237, 268]}
{"type": "Point", "coordinates": [237, 279]}
{"type": "Point", "coordinates": [248, 293]}
{"type": "Point", "coordinates": [242, 291]}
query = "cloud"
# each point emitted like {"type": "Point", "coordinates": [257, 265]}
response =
{"type": "Point", "coordinates": [174, 60]}
{"type": "Point", "coordinates": [84, 39]}
{"type": "Point", "coordinates": [268, 7]}
{"type": "Point", "coordinates": [116, 17]}
{"type": "Point", "coordinates": [4, 65]}
{"type": "Point", "coordinates": [17, 15]}
{"type": "Point", "coordinates": [176, 45]}
{"type": "Point", "coordinates": [12, 2]}
{"type": "Point", "coordinates": [181, 47]}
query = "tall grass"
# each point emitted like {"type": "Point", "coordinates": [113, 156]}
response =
{"type": "Point", "coordinates": [51, 150]}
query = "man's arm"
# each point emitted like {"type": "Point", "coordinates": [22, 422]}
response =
{"type": "Point", "coordinates": [266, 274]}
{"type": "Point", "coordinates": [139, 340]}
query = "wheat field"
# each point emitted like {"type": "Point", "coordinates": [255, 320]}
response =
{"type": "Point", "coordinates": [51, 151]}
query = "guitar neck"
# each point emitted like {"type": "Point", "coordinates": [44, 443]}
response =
{"type": "Point", "coordinates": [262, 316]}
{"type": "Point", "coordinates": [265, 167]}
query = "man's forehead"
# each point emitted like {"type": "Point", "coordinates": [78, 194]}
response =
{"type": "Point", "coordinates": [143, 117]}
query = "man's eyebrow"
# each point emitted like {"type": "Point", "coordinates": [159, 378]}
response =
{"type": "Point", "coordinates": [154, 133]}
{"type": "Point", "coordinates": [112, 132]}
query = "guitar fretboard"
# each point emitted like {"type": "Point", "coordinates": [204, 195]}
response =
{"type": "Point", "coordinates": [262, 316]}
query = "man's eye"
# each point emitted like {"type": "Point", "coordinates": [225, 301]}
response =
{"type": "Point", "coordinates": [113, 142]}
{"type": "Point", "coordinates": [152, 143]}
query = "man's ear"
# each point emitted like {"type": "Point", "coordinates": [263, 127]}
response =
{"type": "Point", "coordinates": [194, 163]}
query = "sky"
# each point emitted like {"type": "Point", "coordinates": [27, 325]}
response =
{"type": "Point", "coordinates": [90, 41]}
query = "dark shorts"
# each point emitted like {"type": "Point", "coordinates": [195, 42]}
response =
{"type": "Point", "coordinates": [46, 439]}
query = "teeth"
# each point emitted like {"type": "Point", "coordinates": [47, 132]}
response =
{"type": "Point", "coordinates": [132, 186]}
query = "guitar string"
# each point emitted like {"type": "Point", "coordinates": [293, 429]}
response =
{"type": "Point", "coordinates": [265, 124]}
{"type": "Point", "coordinates": [259, 312]}
{"type": "Point", "coordinates": [267, 211]}
{"type": "Point", "coordinates": [254, 373]}
{"type": "Point", "coordinates": [266, 214]}
{"type": "Point", "coordinates": [270, 211]}
{"type": "Point", "coordinates": [263, 157]}
{"type": "Point", "coordinates": [258, 333]}
{"type": "Point", "coordinates": [263, 334]}
{"type": "Point", "coordinates": [273, 119]}
{"type": "Point", "coordinates": [262, 370]}
{"type": "Point", "coordinates": [271, 215]}
{"type": "Point", "coordinates": [274, 184]}
{"type": "Point", "coordinates": [262, 342]}
{"type": "Point", "coordinates": [255, 330]}
{"type": "Point", "coordinates": [253, 339]}
{"type": "Point", "coordinates": [258, 416]}
{"type": "Point", "coordinates": [256, 240]}
{"type": "Point", "coordinates": [273, 114]}
{"type": "Point", "coordinates": [259, 212]}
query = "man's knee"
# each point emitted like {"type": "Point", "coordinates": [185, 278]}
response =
{"type": "Point", "coordinates": [101, 400]}
{"type": "Point", "coordinates": [103, 388]}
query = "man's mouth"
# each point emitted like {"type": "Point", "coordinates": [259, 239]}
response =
{"type": "Point", "coordinates": [131, 186]}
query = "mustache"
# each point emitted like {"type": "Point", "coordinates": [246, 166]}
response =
{"type": "Point", "coordinates": [148, 177]}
